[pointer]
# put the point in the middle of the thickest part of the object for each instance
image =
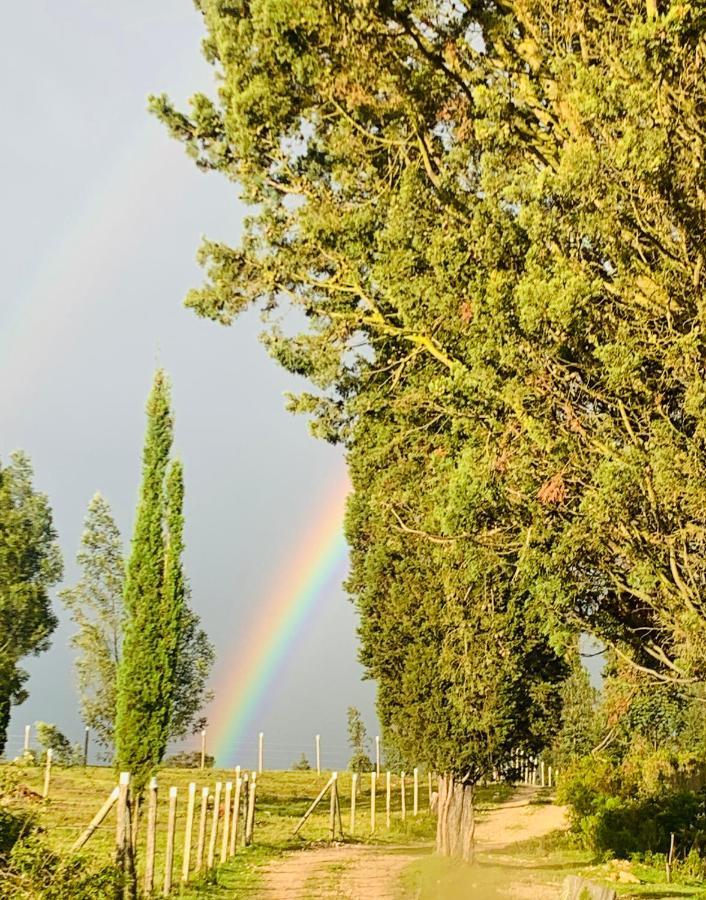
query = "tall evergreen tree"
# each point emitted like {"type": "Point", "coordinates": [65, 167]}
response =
{"type": "Point", "coordinates": [154, 601]}
{"type": "Point", "coordinates": [30, 563]}
{"type": "Point", "coordinates": [96, 606]}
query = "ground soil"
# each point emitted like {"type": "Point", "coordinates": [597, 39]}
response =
{"type": "Point", "coordinates": [372, 872]}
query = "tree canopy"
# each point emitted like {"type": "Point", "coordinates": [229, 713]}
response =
{"type": "Point", "coordinates": [492, 218]}
{"type": "Point", "coordinates": [30, 563]}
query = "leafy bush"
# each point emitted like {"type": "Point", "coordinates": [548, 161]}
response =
{"type": "Point", "coordinates": [302, 765]}
{"type": "Point", "coordinates": [65, 753]}
{"type": "Point", "coordinates": [190, 759]}
{"type": "Point", "coordinates": [33, 872]}
{"type": "Point", "coordinates": [633, 808]}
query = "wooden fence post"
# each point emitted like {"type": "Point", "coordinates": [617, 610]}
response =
{"type": "Point", "coordinates": [188, 832]}
{"type": "Point", "coordinates": [260, 751]}
{"type": "Point", "coordinates": [203, 748]}
{"type": "Point", "coordinates": [236, 811]}
{"type": "Point", "coordinates": [332, 806]}
{"type": "Point", "coordinates": [169, 856]}
{"type": "Point", "coordinates": [151, 843]}
{"type": "Point", "coordinates": [250, 821]}
{"type": "Point", "coordinates": [244, 808]}
{"type": "Point", "coordinates": [430, 788]}
{"type": "Point", "coordinates": [354, 788]}
{"type": "Point", "coordinates": [47, 774]}
{"type": "Point", "coordinates": [388, 797]}
{"type": "Point", "coordinates": [214, 826]}
{"type": "Point", "coordinates": [318, 754]}
{"type": "Point", "coordinates": [404, 797]}
{"type": "Point", "coordinates": [415, 793]}
{"type": "Point", "coordinates": [372, 802]}
{"type": "Point", "coordinates": [549, 776]}
{"type": "Point", "coordinates": [28, 729]}
{"type": "Point", "coordinates": [202, 829]}
{"type": "Point", "coordinates": [541, 772]}
{"type": "Point", "coordinates": [377, 755]}
{"type": "Point", "coordinates": [86, 733]}
{"type": "Point", "coordinates": [226, 821]}
{"type": "Point", "coordinates": [121, 822]}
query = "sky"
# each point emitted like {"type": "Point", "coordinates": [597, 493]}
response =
{"type": "Point", "coordinates": [102, 217]}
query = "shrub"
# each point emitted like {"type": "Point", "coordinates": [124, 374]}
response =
{"type": "Point", "coordinates": [188, 759]}
{"type": "Point", "coordinates": [302, 765]}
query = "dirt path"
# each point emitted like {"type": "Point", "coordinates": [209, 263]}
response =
{"type": "Point", "coordinates": [364, 872]}
{"type": "Point", "coordinates": [518, 820]}
{"type": "Point", "coordinates": [348, 872]}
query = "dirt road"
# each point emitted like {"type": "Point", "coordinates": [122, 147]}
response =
{"type": "Point", "coordinates": [365, 872]}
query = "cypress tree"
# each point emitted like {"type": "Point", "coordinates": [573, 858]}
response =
{"type": "Point", "coordinates": [147, 668]}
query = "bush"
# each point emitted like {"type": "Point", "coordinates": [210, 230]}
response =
{"type": "Point", "coordinates": [33, 872]}
{"type": "Point", "coordinates": [302, 765]}
{"type": "Point", "coordinates": [631, 809]}
{"type": "Point", "coordinates": [188, 760]}
{"type": "Point", "coordinates": [64, 752]}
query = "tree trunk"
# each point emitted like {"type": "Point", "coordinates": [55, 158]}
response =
{"type": "Point", "coordinates": [455, 829]}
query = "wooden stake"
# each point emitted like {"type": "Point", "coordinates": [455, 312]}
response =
{"type": "Point", "coordinates": [203, 748]}
{"type": "Point", "coordinates": [202, 829]}
{"type": "Point", "coordinates": [236, 811]}
{"type": "Point", "coordinates": [332, 806]}
{"type": "Point", "coordinates": [97, 819]}
{"type": "Point", "coordinates": [85, 746]}
{"type": "Point", "coordinates": [313, 805]}
{"type": "Point", "coordinates": [28, 729]}
{"type": "Point", "coordinates": [169, 857]}
{"type": "Point", "coordinates": [549, 773]}
{"type": "Point", "coordinates": [372, 802]}
{"type": "Point", "coordinates": [354, 788]}
{"type": "Point", "coordinates": [226, 821]}
{"type": "Point", "coordinates": [430, 788]}
{"type": "Point", "coordinates": [388, 798]}
{"type": "Point", "coordinates": [670, 858]}
{"type": "Point", "coordinates": [260, 751]}
{"type": "Point", "coordinates": [47, 774]}
{"type": "Point", "coordinates": [151, 842]}
{"type": "Point", "coordinates": [377, 755]}
{"type": "Point", "coordinates": [318, 754]}
{"type": "Point", "coordinates": [541, 773]}
{"type": "Point", "coordinates": [404, 797]}
{"type": "Point", "coordinates": [250, 821]}
{"type": "Point", "coordinates": [188, 831]}
{"type": "Point", "coordinates": [338, 813]}
{"type": "Point", "coordinates": [214, 826]}
{"type": "Point", "coordinates": [121, 821]}
{"type": "Point", "coordinates": [244, 809]}
{"type": "Point", "coordinates": [415, 793]}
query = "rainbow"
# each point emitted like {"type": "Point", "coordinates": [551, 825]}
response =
{"type": "Point", "coordinates": [319, 557]}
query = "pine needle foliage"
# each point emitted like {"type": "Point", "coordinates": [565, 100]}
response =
{"type": "Point", "coordinates": [155, 602]}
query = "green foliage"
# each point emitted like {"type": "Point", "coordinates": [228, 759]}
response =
{"type": "Point", "coordinates": [358, 742]}
{"type": "Point", "coordinates": [302, 765]}
{"type": "Point", "coordinates": [165, 658]}
{"type": "Point", "coordinates": [64, 752]}
{"type": "Point", "coordinates": [30, 563]}
{"type": "Point", "coordinates": [96, 606]}
{"type": "Point", "coordinates": [500, 267]}
{"type": "Point", "coordinates": [33, 872]}
{"type": "Point", "coordinates": [580, 723]}
{"type": "Point", "coordinates": [189, 759]}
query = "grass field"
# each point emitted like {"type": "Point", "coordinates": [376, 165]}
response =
{"type": "Point", "coordinates": [282, 798]}
{"type": "Point", "coordinates": [76, 794]}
